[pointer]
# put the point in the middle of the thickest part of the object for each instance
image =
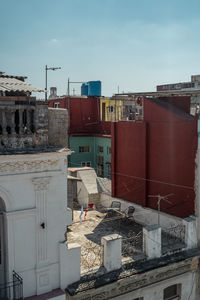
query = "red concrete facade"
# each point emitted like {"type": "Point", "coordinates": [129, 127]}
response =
{"type": "Point", "coordinates": [156, 156]}
{"type": "Point", "coordinates": [84, 115]}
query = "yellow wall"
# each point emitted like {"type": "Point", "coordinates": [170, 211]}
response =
{"type": "Point", "coordinates": [113, 109]}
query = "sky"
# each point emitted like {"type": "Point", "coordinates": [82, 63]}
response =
{"type": "Point", "coordinates": [132, 45]}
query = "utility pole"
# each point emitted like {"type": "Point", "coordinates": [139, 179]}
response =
{"type": "Point", "coordinates": [46, 69]}
{"type": "Point", "coordinates": [160, 198]}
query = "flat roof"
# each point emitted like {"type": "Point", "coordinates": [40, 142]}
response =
{"type": "Point", "coordinates": [157, 94]}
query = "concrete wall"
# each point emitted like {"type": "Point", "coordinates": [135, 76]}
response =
{"type": "Point", "coordinates": [71, 192]}
{"type": "Point", "coordinates": [155, 291]}
{"type": "Point", "coordinates": [143, 215]}
{"type": "Point", "coordinates": [149, 285]}
{"type": "Point", "coordinates": [33, 188]}
{"type": "Point", "coordinates": [57, 127]}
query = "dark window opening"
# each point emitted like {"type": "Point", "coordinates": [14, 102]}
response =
{"type": "Point", "coordinates": [8, 129]}
{"type": "Point", "coordinates": [17, 121]}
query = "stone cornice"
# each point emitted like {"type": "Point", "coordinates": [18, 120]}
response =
{"type": "Point", "coordinates": [138, 281]}
{"type": "Point", "coordinates": [29, 166]}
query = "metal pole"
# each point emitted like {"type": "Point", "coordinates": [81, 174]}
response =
{"type": "Point", "coordinates": [68, 87]}
{"type": "Point", "coordinates": [115, 108]}
{"type": "Point", "coordinates": [159, 199]}
{"type": "Point", "coordinates": [68, 100]}
{"type": "Point", "coordinates": [46, 83]}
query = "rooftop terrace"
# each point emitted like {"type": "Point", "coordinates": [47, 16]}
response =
{"type": "Point", "coordinates": [98, 224]}
{"type": "Point", "coordinates": [114, 246]}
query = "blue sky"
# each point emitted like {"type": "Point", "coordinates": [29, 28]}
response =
{"type": "Point", "coordinates": [134, 44]}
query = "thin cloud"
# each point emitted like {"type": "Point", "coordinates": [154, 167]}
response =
{"type": "Point", "coordinates": [55, 42]}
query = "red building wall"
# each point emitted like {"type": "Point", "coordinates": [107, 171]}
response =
{"type": "Point", "coordinates": [84, 115]}
{"type": "Point", "coordinates": [62, 101]}
{"type": "Point", "coordinates": [156, 157]}
{"type": "Point", "coordinates": [181, 102]}
{"type": "Point", "coordinates": [128, 161]}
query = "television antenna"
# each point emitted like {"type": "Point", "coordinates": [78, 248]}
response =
{"type": "Point", "coordinates": [161, 198]}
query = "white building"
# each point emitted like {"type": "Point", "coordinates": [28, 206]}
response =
{"type": "Point", "coordinates": [33, 218]}
{"type": "Point", "coordinates": [33, 192]}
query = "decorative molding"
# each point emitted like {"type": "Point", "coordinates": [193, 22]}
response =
{"type": "Point", "coordinates": [138, 281]}
{"type": "Point", "coordinates": [28, 166]}
{"type": "Point", "coordinates": [43, 280]}
{"type": "Point", "coordinates": [41, 183]}
{"type": "Point", "coordinates": [21, 213]}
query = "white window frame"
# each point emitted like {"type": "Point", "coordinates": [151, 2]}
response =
{"type": "Point", "coordinates": [56, 104]}
{"type": "Point", "coordinates": [86, 164]}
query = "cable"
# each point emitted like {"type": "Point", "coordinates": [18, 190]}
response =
{"type": "Point", "coordinates": [142, 178]}
{"type": "Point", "coordinates": [194, 275]}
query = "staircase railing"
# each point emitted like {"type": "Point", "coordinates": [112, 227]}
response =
{"type": "Point", "coordinates": [12, 290]}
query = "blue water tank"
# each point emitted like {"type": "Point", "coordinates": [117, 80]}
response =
{"type": "Point", "coordinates": [84, 89]}
{"type": "Point", "coordinates": [94, 88]}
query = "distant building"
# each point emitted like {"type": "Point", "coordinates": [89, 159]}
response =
{"type": "Point", "coordinates": [117, 108]}
{"type": "Point", "coordinates": [194, 84]}
{"type": "Point", "coordinates": [53, 93]}
{"type": "Point", "coordinates": [88, 136]}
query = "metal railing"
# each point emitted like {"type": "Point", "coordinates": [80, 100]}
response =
{"type": "Point", "coordinates": [91, 257]}
{"type": "Point", "coordinates": [132, 245]}
{"type": "Point", "coordinates": [12, 290]}
{"type": "Point", "coordinates": [173, 238]}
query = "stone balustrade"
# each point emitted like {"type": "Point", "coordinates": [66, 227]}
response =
{"type": "Point", "coordinates": [17, 120]}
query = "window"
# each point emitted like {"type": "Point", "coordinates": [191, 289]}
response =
{"type": "Point", "coordinates": [86, 164]}
{"type": "Point", "coordinates": [56, 105]}
{"type": "Point", "coordinates": [100, 149]}
{"type": "Point", "coordinates": [85, 149]}
{"type": "Point", "coordinates": [111, 109]}
{"type": "Point", "coordinates": [108, 150]}
{"type": "Point", "coordinates": [172, 292]}
{"type": "Point", "coordinates": [100, 167]}
{"type": "Point", "coordinates": [109, 170]}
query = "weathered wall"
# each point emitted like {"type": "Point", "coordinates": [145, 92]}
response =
{"type": "Point", "coordinates": [143, 215]}
{"type": "Point", "coordinates": [148, 285]}
{"type": "Point", "coordinates": [41, 124]}
{"type": "Point", "coordinates": [71, 192]}
{"type": "Point", "coordinates": [156, 157]}
{"type": "Point", "coordinates": [23, 126]}
{"type": "Point", "coordinates": [57, 127]}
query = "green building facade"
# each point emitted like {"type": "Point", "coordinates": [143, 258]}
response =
{"type": "Point", "coordinates": [91, 151]}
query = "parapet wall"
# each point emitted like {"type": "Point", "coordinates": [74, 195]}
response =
{"type": "Point", "coordinates": [57, 127]}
